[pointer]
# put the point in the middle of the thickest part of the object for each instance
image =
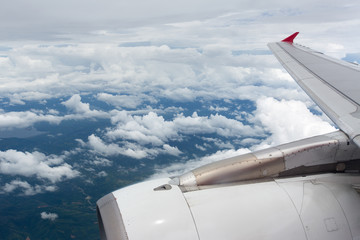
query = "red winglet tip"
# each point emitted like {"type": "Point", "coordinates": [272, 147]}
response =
{"type": "Point", "coordinates": [290, 39]}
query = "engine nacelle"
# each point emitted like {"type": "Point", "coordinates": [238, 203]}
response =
{"type": "Point", "coordinates": [290, 208]}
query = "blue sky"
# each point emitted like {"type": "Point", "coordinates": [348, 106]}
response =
{"type": "Point", "coordinates": [133, 55]}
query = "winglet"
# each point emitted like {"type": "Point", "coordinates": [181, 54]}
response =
{"type": "Point", "coordinates": [290, 39]}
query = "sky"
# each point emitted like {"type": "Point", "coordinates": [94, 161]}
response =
{"type": "Point", "coordinates": [133, 55]}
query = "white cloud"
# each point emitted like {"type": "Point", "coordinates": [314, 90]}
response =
{"type": "Point", "coordinates": [99, 146]}
{"type": "Point", "coordinates": [180, 94]}
{"type": "Point", "coordinates": [19, 98]}
{"type": "Point", "coordinates": [202, 148]}
{"type": "Point", "coordinates": [26, 188]}
{"type": "Point", "coordinates": [32, 64]}
{"type": "Point", "coordinates": [81, 110]}
{"type": "Point", "coordinates": [101, 162]}
{"type": "Point", "coordinates": [218, 109]}
{"type": "Point", "coordinates": [218, 124]}
{"type": "Point", "coordinates": [147, 129]}
{"type": "Point", "coordinates": [154, 129]}
{"type": "Point", "coordinates": [75, 104]}
{"type": "Point", "coordinates": [171, 150]}
{"type": "Point", "coordinates": [49, 216]}
{"type": "Point", "coordinates": [289, 121]}
{"type": "Point", "coordinates": [25, 119]}
{"type": "Point", "coordinates": [132, 150]}
{"type": "Point", "coordinates": [141, 136]}
{"type": "Point", "coordinates": [101, 174]}
{"type": "Point", "coordinates": [335, 50]}
{"type": "Point", "coordinates": [126, 101]}
{"type": "Point", "coordinates": [51, 168]}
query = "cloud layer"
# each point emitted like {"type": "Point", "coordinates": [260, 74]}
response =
{"type": "Point", "coordinates": [148, 135]}
{"type": "Point", "coordinates": [161, 74]}
{"type": "Point", "coordinates": [63, 20]}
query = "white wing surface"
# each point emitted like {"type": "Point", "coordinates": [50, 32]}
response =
{"type": "Point", "coordinates": [333, 84]}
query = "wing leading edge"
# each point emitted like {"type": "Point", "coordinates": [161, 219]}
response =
{"type": "Point", "coordinates": [334, 85]}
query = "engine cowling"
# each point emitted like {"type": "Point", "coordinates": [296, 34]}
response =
{"type": "Point", "coordinates": [321, 206]}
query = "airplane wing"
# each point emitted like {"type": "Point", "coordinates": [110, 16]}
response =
{"type": "Point", "coordinates": [332, 84]}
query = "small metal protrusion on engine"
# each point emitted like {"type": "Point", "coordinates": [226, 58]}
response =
{"type": "Point", "coordinates": [163, 187]}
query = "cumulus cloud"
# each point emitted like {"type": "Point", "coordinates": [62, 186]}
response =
{"type": "Point", "coordinates": [147, 129]}
{"type": "Point", "coordinates": [180, 94]}
{"type": "Point", "coordinates": [20, 98]}
{"type": "Point", "coordinates": [75, 104]}
{"type": "Point", "coordinates": [101, 162]}
{"type": "Point", "coordinates": [25, 119]}
{"type": "Point", "coordinates": [122, 101]}
{"type": "Point", "coordinates": [25, 188]}
{"type": "Point", "coordinates": [49, 216]}
{"type": "Point", "coordinates": [148, 135]}
{"type": "Point", "coordinates": [154, 129]}
{"type": "Point", "coordinates": [81, 110]}
{"type": "Point", "coordinates": [171, 150]}
{"type": "Point", "coordinates": [99, 146]}
{"type": "Point", "coordinates": [289, 121]}
{"type": "Point", "coordinates": [128, 149]}
{"type": "Point", "coordinates": [27, 164]}
{"type": "Point", "coordinates": [218, 124]}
